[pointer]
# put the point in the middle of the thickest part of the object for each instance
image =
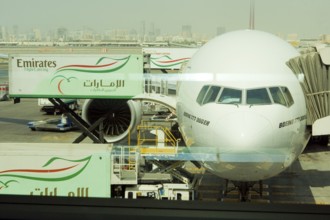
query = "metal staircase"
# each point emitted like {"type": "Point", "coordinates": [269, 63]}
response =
{"type": "Point", "coordinates": [159, 141]}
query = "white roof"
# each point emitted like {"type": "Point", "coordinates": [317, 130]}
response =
{"type": "Point", "coordinates": [325, 55]}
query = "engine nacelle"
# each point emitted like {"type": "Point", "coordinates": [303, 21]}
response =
{"type": "Point", "coordinates": [121, 116]}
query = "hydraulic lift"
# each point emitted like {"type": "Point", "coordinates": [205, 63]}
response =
{"type": "Point", "coordinates": [94, 131]}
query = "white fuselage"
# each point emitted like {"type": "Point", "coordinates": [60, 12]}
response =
{"type": "Point", "coordinates": [251, 124]}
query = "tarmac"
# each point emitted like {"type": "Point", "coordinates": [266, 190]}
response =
{"type": "Point", "coordinates": [307, 181]}
{"type": "Point", "coordinates": [14, 119]}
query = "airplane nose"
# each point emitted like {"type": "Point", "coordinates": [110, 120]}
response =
{"type": "Point", "coordinates": [244, 132]}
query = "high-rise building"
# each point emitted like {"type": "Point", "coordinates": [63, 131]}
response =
{"type": "Point", "coordinates": [15, 31]}
{"type": "Point", "coordinates": [3, 33]}
{"type": "Point", "coordinates": [142, 31]}
{"type": "Point", "coordinates": [36, 34]}
{"type": "Point", "coordinates": [186, 31]}
{"type": "Point", "coordinates": [220, 30]}
{"type": "Point", "coordinates": [151, 33]}
{"type": "Point", "coordinates": [62, 33]}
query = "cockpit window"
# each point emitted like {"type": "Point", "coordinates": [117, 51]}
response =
{"type": "Point", "coordinates": [287, 96]}
{"type": "Point", "coordinates": [257, 97]}
{"type": "Point", "coordinates": [277, 95]}
{"type": "Point", "coordinates": [230, 96]}
{"type": "Point", "coordinates": [211, 94]}
{"type": "Point", "coordinates": [260, 96]}
{"type": "Point", "coordinates": [201, 94]}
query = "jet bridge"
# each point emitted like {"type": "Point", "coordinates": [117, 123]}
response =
{"type": "Point", "coordinates": [314, 63]}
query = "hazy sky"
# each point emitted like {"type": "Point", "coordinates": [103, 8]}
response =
{"type": "Point", "coordinates": [307, 18]}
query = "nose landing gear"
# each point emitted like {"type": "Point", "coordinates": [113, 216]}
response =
{"type": "Point", "coordinates": [244, 189]}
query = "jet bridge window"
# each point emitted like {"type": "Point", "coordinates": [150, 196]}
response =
{"type": "Point", "coordinates": [230, 96]}
{"type": "Point", "coordinates": [257, 97]}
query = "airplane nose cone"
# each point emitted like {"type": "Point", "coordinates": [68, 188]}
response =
{"type": "Point", "coordinates": [244, 132]}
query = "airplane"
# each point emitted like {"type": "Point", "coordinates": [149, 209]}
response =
{"type": "Point", "coordinates": [236, 99]}
{"type": "Point", "coordinates": [4, 56]}
{"type": "Point", "coordinates": [252, 111]}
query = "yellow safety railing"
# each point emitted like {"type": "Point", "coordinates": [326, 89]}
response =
{"type": "Point", "coordinates": [170, 142]}
{"type": "Point", "coordinates": [132, 158]}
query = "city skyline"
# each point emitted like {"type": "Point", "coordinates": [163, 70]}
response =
{"type": "Point", "coordinates": [306, 18]}
{"type": "Point", "coordinates": [62, 34]}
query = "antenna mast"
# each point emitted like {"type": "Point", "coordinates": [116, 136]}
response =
{"type": "Point", "coordinates": [251, 26]}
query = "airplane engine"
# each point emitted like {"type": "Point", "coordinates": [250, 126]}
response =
{"type": "Point", "coordinates": [121, 115]}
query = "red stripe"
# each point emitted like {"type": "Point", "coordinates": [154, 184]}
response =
{"type": "Point", "coordinates": [38, 171]}
{"type": "Point", "coordinates": [171, 61]}
{"type": "Point", "coordinates": [87, 66]}
{"type": "Point", "coordinates": [59, 86]}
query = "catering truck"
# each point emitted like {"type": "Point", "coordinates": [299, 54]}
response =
{"type": "Point", "coordinates": [84, 170]}
{"type": "Point", "coordinates": [75, 76]}
{"type": "Point", "coordinates": [169, 58]}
